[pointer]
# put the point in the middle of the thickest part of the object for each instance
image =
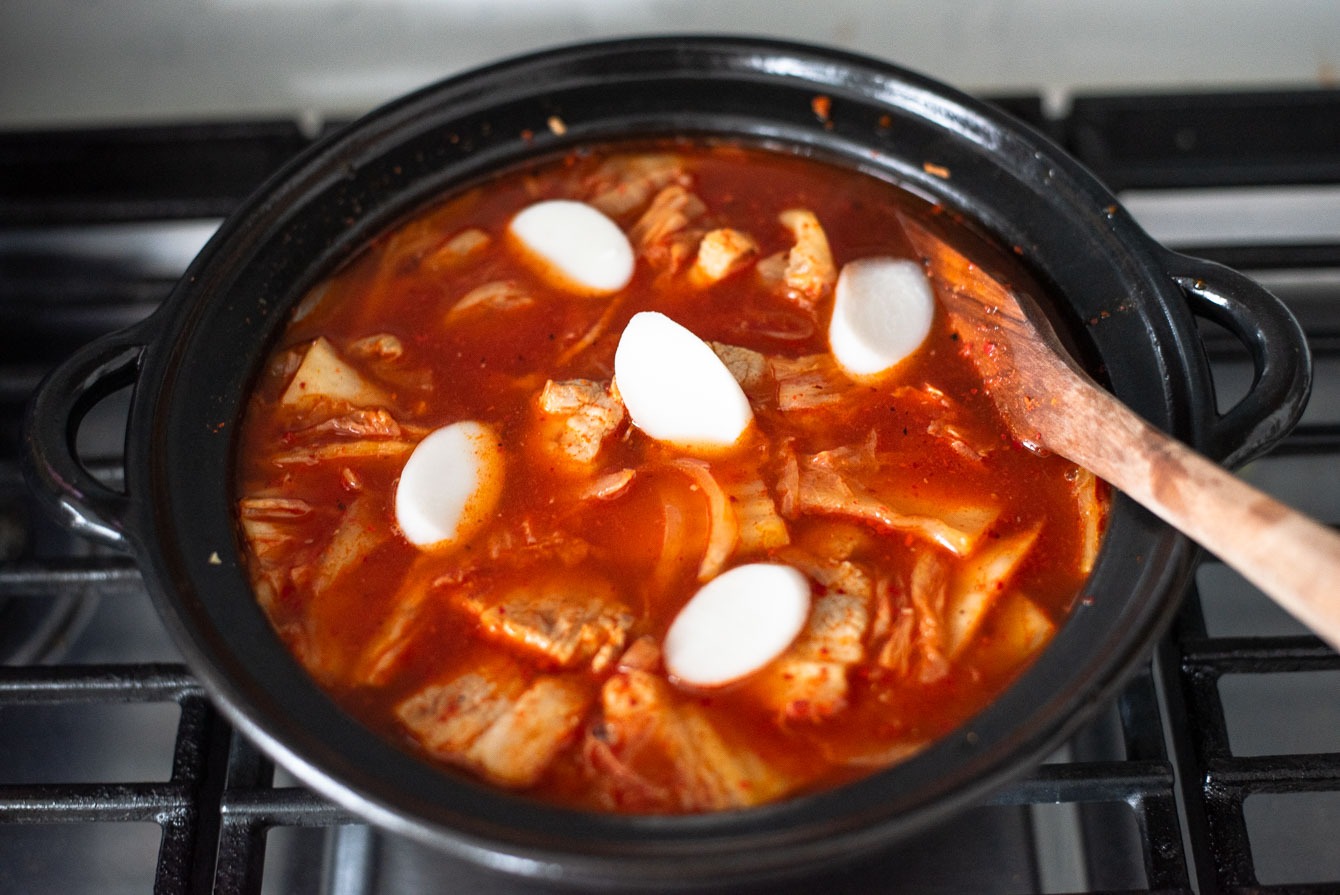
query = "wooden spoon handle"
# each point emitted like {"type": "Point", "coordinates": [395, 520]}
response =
{"type": "Point", "coordinates": [1293, 559]}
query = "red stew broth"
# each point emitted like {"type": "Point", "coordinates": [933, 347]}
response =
{"type": "Point", "coordinates": [644, 544]}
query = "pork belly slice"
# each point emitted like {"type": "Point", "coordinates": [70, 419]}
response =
{"type": "Point", "coordinates": [566, 620]}
{"type": "Point", "coordinates": [578, 415]}
{"type": "Point", "coordinates": [809, 681]}
{"type": "Point", "coordinates": [749, 367]}
{"type": "Point", "coordinates": [430, 581]}
{"type": "Point", "coordinates": [626, 183]}
{"type": "Point", "coordinates": [665, 234]}
{"type": "Point", "coordinates": [371, 424]}
{"type": "Point", "coordinates": [457, 250]}
{"type": "Point", "coordinates": [761, 527]}
{"type": "Point", "coordinates": [721, 253]}
{"type": "Point", "coordinates": [497, 723]}
{"type": "Point", "coordinates": [655, 751]}
{"type": "Point", "coordinates": [805, 274]}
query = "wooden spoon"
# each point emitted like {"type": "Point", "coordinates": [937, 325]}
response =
{"type": "Point", "coordinates": [1049, 401]}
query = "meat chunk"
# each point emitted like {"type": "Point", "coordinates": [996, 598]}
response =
{"type": "Point", "coordinates": [656, 752]}
{"type": "Point", "coordinates": [427, 584]}
{"type": "Point", "coordinates": [624, 184]}
{"type": "Point", "coordinates": [721, 253]}
{"type": "Point", "coordinates": [383, 355]}
{"type": "Point", "coordinates": [664, 235]}
{"type": "Point", "coordinates": [497, 724]}
{"type": "Point", "coordinates": [447, 718]}
{"type": "Point", "coordinates": [457, 250]}
{"type": "Point", "coordinates": [369, 424]}
{"type": "Point", "coordinates": [582, 413]}
{"type": "Point", "coordinates": [566, 620]}
{"type": "Point", "coordinates": [810, 273]}
{"type": "Point", "coordinates": [379, 347]}
{"type": "Point", "coordinates": [749, 367]}
{"type": "Point", "coordinates": [760, 528]}
{"type": "Point", "coordinates": [809, 681]}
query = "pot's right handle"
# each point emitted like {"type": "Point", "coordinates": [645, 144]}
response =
{"type": "Point", "coordinates": [78, 499]}
{"type": "Point", "coordinates": [1282, 379]}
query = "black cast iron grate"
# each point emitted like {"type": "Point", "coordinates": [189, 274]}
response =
{"type": "Point", "coordinates": [1157, 797]}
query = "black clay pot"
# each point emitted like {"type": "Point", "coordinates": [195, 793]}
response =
{"type": "Point", "coordinates": [192, 363]}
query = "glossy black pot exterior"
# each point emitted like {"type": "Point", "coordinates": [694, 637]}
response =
{"type": "Point", "coordinates": [1133, 303]}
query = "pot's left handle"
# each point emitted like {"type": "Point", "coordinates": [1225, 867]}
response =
{"type": "Point", "coordinates": [77, 498]}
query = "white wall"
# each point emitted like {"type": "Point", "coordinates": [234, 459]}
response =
{"type": "Point", "coordinates": [67, 61]}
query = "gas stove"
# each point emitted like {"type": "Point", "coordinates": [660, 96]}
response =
{"type": "Point", "coordinates": [1217, 768]}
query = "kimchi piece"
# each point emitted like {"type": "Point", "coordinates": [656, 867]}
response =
{"type": "Point", "coordinates": [940, 556]}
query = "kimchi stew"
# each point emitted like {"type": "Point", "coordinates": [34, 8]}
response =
{"type": "Point", "coordinates": [652, 480]}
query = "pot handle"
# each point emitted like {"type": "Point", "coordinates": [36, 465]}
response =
{"type": "Point", "coordinates": [1282, 375]}
{"type": "Point", "coordinates": [74, 495]}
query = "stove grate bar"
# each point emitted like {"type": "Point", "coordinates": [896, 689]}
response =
{"type": "Point", "coordinates": [1215, 782]}
{"type": "Point", "coordinates": [1094, 781]}
{"type": "Point", "coordinates": [1208, 139]}
{"type": "Point", "coordinates": [1273, 256]}
{"type": "Point", "coordinates": [1310, 439]}
{"type": "Point", "coordinates": [1317, 772]}
{"type": "Point", "coordinates": [49, 685]}
{"type": "Point", "coordinates": [137, 173]}
{"type": "Point", "coordinates": [1217, 656]}
{"type": "Point", "coordinates": [186, 807]}
{"type": "Point", "coordinates": [92, 802]}
{"type": "Point", "coordinates": [54, 577]}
